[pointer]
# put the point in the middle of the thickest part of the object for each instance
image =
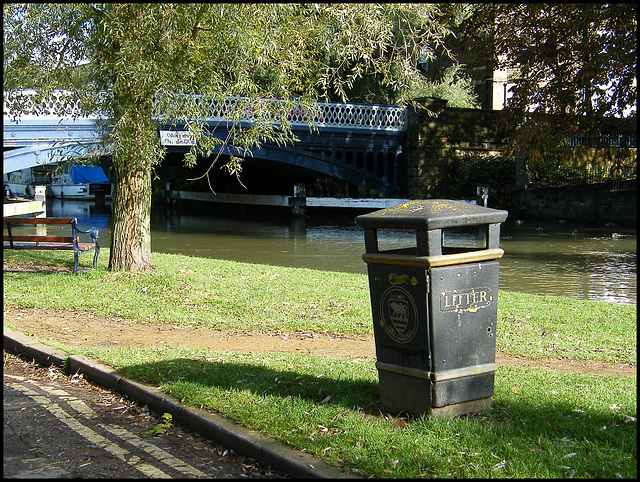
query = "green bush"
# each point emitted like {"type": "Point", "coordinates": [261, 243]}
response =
{"type": "Point", "coordinates": [497, 172]}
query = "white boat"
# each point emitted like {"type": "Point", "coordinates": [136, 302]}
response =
{"type": "Point", "coordinates": [22, 183]}
{"type": "Point", "coordinates": [83, 182]}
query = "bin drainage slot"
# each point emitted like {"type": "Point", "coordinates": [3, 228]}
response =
{"type": "Point", "coordinates": [438, 376]}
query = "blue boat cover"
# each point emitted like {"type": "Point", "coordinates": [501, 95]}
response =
{"type": "Point", "coordinates": [82, 174]}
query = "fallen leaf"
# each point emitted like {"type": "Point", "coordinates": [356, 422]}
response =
{"type": "Point", "coordinates": [500, 465]}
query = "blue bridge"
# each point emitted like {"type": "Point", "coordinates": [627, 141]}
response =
{"type": "Point", "coordinates": [361, 144]}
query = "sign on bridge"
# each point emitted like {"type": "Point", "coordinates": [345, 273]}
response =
{"type": "Point", "coordinates": [176, 138]}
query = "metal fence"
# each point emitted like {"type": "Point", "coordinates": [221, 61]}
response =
{"type": "Point", "coordinates": [604, 140]}
{"type": "Point", "coordinates": [611, 179]}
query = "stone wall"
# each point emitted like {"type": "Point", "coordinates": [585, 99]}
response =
{"type": "Point", "coordinates": [439, 134]}
{"type": "Point", "coordinates": [590, 205]}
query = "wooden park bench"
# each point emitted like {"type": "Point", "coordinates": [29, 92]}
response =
{"type": "Point", "coordinates": [40, 241]}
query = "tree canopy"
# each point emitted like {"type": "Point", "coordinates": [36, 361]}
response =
{"type": "Point", "coordinates": [570, 66]}
{"type": "Point", "coordinates": [140, 64]}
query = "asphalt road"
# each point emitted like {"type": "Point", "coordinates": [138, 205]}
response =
{"type": "Point", "coordinates": [60, 426]}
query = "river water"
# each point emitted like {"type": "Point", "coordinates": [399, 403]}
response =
{"type": "Point", "coordinates": [580, 261]}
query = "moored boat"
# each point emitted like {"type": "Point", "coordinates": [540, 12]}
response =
{"type": "Point", "coordinates": [83, 182]}
{"type": "Point", "coordinates": [22, 183]}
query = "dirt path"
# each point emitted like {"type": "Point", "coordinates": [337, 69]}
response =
{"type": "Point", "coordinates": [86, 329]}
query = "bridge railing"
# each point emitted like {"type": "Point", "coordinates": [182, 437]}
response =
{"type": "Point", "coordinates": [60, 104]}
{"type": "Point", "coordinates": [360, 116]}
{"type": "Point", "coordinates": [321, 114]}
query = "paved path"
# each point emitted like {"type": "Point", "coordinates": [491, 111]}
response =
{"type": "Point", "coordinates": [54, 428]}
{"type": "Point", "coordinates": [59, 426]}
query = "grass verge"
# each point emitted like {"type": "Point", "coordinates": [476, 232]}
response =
{"type": "Point", "coordinates": [543, 423]}
{"type": "Point", "coordinates": [219, 294]}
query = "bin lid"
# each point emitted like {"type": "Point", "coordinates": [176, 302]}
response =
{"type": "Point", "coordinates": [431, 214]}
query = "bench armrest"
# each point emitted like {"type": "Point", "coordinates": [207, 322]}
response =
{"type": "Point", "coordinates": [94, 232]}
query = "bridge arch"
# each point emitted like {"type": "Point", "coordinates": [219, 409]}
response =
{"type": "Point", "coordinates": [41, 154]}
{"type": "Point", "coordinates": [356, 143]}
{"type": "Point", "coordinates": [374, 160]}
{"type": "Point", "coordinates": [379, 170]}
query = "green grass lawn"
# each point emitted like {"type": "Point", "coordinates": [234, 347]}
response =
{"type": "Point", "coordinates": [543, 423]}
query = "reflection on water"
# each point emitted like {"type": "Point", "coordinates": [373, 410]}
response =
{"type": "Point", "coordinates": [586, 262]}
{"type": "Point", "coordinates": [589, 264]}
{"type": "Point", "coordinates": [88, 213]}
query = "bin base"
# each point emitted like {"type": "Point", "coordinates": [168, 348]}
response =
{"type": "Point", "coordinates": [401, 394]}
{"type": "Point", "coordinates": [417, 406]}
{"type": "Point", "coordinates": [411, 393]}
{"type": "Point", "coordinates": [463, 408]}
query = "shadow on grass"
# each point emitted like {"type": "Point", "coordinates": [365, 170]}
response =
{"type": "Point", "coordinates": [260, 380]}
{"type": "Point", "coordinates": [45, 262]}
{"type": "Point", "coordinates": [541, 436]}
{"type": "Point", "coordinates": [538, 422]}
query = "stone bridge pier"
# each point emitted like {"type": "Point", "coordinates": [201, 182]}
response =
{"type": "Point", "coordinates": [436, 135]}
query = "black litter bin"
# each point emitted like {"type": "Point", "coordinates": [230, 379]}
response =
{"type": "Point", "coordinates": [434, 305]}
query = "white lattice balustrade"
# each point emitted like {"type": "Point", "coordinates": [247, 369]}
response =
{"type": "Point", "coordinates": [60, 104]}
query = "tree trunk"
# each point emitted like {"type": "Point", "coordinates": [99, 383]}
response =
{"type": "Point", "coordinates": [131, 228]}
{"type": "Point", "coordinates": [135, 152]}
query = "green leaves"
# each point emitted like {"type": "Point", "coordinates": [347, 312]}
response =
{"type": "Point", "coordinates": [146, 53]}
{"type": "Point", "coordinates": [575, 61]}
{"type": "Point", "coordinates": [163, 426]}
{"type": "Point", "coordinates": [163, 54]}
